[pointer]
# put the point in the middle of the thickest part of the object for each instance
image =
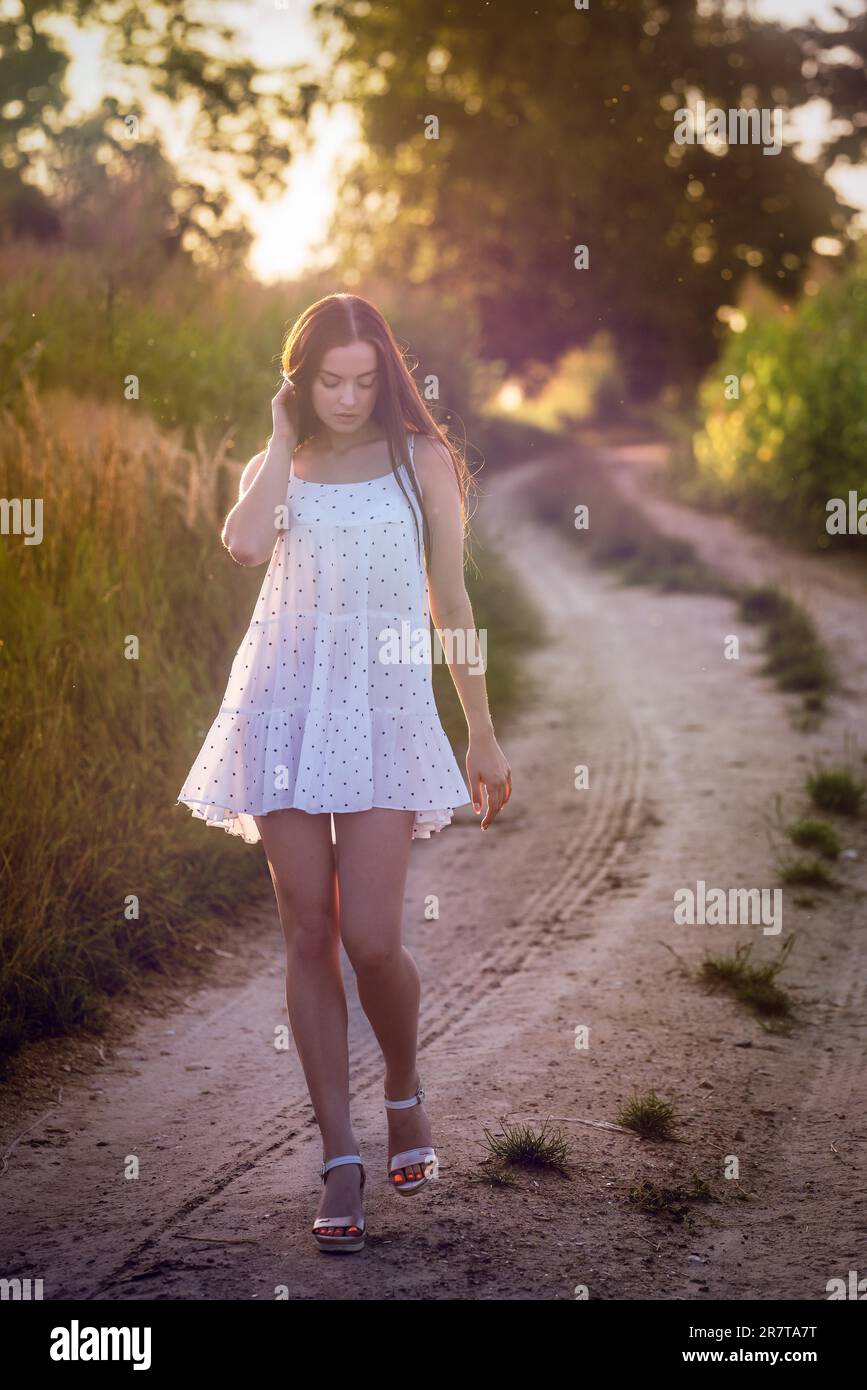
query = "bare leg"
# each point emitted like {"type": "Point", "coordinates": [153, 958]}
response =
{"type": "Point", "coordinates": [301, 860]}
{"type": "Point", "coordinates": [372, 861]}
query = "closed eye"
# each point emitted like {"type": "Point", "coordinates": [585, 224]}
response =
{"type": "Point", "coordinates": [364, 383]}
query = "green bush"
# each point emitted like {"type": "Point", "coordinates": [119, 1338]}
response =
{"type": "Point", "coordinates": [797, 435]}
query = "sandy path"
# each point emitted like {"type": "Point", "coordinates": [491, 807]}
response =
{"type": "Point", "coordinates": [554, 919]}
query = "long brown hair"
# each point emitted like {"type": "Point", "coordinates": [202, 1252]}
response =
{"type": "Point", "coordinates": [341, 319]}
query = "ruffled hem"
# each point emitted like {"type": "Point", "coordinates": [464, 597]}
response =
{"type": "Point", "coordinates": [427, 823]}
{"type": "Point", "coordinates": [324, 761]}
{"type": "Point", "coordinates": [242, 823]}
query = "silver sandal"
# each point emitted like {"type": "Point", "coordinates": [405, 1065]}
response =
{"type": "Point", "coordinates": [354, 1232]}
{"type": "Point", "coordinates": [424, 1158]}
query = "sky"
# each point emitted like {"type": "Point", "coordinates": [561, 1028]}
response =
{"type": "Point", "coordinates": [290, 231]}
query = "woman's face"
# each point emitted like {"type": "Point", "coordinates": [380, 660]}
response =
{"type": "Point", "coordinates": [345, 388]}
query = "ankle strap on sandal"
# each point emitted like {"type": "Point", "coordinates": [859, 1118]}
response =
{"type": "Point", "coordinates": [336, 1162]}
{"type": "Point", "coordinates": [403, 1104]}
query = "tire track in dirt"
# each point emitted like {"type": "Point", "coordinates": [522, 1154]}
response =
{"type": "Point", "coordinates": [598, 838]}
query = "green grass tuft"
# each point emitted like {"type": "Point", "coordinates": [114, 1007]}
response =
{"type": "Point", "coordinates": [529, 1148]}
{"type": "Point", "coordinates": [754, 986]}
{"type": "Point", "coordinates": [796, 657]}
{"type": "Point", "coordinates": [807, 873]}
{"type": "Point", "coordinates": [836, 789]}
{"type": "Point", "coordinates": [649, 1116]}
{"type": "Point", "coordinates": [808, 833]}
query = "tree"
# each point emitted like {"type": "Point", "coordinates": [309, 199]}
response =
{"type": "Point", "coordinates": [246, 119]}
{"type": "Point", "coordinates": [554, 129]}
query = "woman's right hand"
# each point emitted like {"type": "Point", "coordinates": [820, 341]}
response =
{"type": "Point", "coordinates": [284, 413]}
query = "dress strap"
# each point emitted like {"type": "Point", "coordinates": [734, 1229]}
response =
{"type": "Point", "coordinates": [411, 447]}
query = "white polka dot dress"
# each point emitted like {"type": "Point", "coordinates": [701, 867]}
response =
{"type": "Point", "coordinates": [328, 706]}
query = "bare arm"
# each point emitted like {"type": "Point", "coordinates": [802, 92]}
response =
{"type": "Point", "coordinates": [250, 529]}
{"type": "Point", "coordinates": [452, 615]}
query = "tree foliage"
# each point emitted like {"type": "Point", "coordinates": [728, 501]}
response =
{"type": "Point", "coordinates": [556, 129]}
{"type": "Point", "coordinates": [77, 179]}
{"type": "Point", "coordinates": [794, 434]}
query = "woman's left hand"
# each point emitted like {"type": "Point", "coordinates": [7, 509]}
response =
{"type": "Point", "coordinates": [487, 765]}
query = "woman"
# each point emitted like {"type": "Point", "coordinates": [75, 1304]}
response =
{"type": "Point", "coordinates": [322, 726]}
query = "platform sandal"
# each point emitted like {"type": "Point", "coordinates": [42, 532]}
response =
{"type": "Point", "coordinates": [353, 1236]}
{"type": "Point", "coordinates": [424, 1159]}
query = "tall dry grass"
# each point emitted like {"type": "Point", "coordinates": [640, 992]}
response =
{"type": "Point", "coordinates": [95, 746]}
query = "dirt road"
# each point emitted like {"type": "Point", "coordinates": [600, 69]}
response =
{"type": "Point", "coordinates": [555, 918]}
